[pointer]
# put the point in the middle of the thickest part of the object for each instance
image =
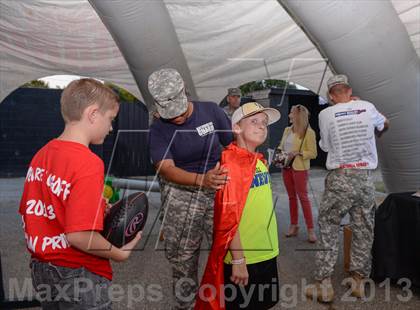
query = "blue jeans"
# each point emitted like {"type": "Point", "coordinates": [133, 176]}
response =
{"type": "Point", "coordinates": [65, 288]}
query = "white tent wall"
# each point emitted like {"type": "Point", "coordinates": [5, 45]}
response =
{"type": "Point", "coordinates": [221, 49]}
{"type": "Point", "coordinates": [225, 43]}
{"type": "Point", "coordinates": [370, 44]}
{"type": "Point", "coordinates": [50, 37]}
{"type": "Point", "coordinates": [228, 43]}
{"type": "Point", "coordinates": [409, 13]}
{"type": "Point", "coordinates": [47, 37]}
{"type": "Point", "coordinates": [221, 44]}
{"type": "Point", "coordinates": [146, 37]}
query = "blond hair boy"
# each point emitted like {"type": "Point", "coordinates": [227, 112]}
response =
{"type": "Point", "coordinates": [62, 206]}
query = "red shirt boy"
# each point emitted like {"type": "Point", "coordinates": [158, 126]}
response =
{"type": "Point", "coordinates": [63, 194]}
{"type": "Point", "coordinates": [62, 206]}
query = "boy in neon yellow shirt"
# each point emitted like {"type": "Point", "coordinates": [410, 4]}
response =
{"type": "Point", "coordinates": [245, 242]}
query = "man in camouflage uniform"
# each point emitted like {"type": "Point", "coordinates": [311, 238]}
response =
{"type": "Point", "coordinates": [188, 216]}
{"type": "Point", "coordinates": [233, 100]}
{"type": "Point", "coordinates": [185, 145]}
{"type": "Point", "coordinates": [347, 130]}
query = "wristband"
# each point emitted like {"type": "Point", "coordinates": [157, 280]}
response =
{"type": "Point", "coordinates": [238, 261]}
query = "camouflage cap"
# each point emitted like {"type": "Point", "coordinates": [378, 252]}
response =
{"type": "Point", "coordinates": [234, 92]}
{"type": "Point", "coordinates": [167, 89]}
{"type": "Point", "coordinates": [337, 80]}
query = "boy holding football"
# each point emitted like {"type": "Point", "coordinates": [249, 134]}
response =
{"type": "Point", "coordinates": [63, 209]}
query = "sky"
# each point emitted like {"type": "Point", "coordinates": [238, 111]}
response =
{"type": "Point", "coordinates": [63, 80]}
{"type": "Point", "coordinates": [59, 80]}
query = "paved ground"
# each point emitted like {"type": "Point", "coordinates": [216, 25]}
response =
{"type": "Point", "coordinates": [144, 281]}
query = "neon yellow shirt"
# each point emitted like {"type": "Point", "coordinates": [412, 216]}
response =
{"type": "Point", "coordinates": [258, 225]}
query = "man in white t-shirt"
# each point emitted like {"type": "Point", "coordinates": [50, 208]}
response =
{"type": "Point", "coordinates": [347, 131]}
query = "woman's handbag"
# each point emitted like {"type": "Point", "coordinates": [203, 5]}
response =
{"type": "Point", "coordinates": [281, 158]}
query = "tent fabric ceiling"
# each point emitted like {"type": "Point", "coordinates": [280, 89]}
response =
{"type": "Point", "coordinates": [221, 44]}
{"type": "Point", "coordinates": [225, 43]}
{"type": "Point", "coordinates": [43, 38]}
{"type": "Point", "coordinates": [409, 13]}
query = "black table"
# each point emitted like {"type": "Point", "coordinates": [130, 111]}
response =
{"type": "Point", "coordinates": [396, 246]}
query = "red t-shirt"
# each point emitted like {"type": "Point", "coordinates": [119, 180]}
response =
{"type": "Point", "coordinates": [62, 194]}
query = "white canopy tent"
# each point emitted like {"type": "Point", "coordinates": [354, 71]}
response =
{"type": "Point", "coordinates": [221, 44]}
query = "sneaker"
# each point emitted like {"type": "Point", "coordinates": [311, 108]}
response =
{"type": "Point", "coordinates": [321, 290]}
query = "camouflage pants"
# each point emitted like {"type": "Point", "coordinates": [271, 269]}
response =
{"type": "Point", "coordinates": [346, 191]}
{"type": "Point", "coordinates": [188, 216]}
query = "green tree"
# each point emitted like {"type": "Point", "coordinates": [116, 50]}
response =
{"type": "Point", "coordinates": [124, 95]}
{"type": "Point", "coordinates": [36, 84]}
{"type": "Point", "coordinates": [264, 84]}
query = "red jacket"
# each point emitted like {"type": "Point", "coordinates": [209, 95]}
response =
{"type": "Point", "coordinates": [228, 207]}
